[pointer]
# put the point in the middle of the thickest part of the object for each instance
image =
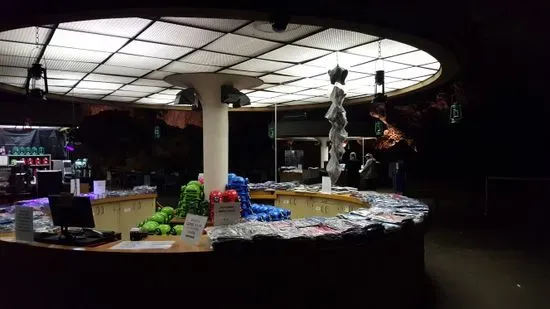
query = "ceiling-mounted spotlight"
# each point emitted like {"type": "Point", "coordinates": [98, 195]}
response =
{"type": "Point", "coordinates": [189, 97]}
{"type": "Point", "coordinates": [35, 74]}
{"type": "Point", "coordinates": [279, 22]}
{"type": "Point", "coordinates": [233, 96]}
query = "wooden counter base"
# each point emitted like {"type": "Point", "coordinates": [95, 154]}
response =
{"type": "Point", "coordinates": [310, 204]}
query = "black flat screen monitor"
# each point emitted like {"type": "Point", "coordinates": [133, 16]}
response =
{"type": "Point", "coordinates": [48, 183]}
{"type": "Point", "coordinates": [74, 211]}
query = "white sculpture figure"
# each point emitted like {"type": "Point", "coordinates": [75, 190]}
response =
{"type": "Point", "coordinates": [336, 115]}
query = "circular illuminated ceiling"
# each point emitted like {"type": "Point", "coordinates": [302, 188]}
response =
{"type": "Point", "coordinates": [126, 60]}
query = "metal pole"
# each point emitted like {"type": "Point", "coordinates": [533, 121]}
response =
{"type": "Point", "coordinates": [275, 141]}
{"type": "Point", "coordinates": [363, 150]}
{"type": "Point", "coordinates": [486, 198]}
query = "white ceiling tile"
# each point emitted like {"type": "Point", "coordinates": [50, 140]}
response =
{"type": "Point", "coordinates": [351, 76]}
{"type": "Point", "coordinates": [342, 59]}
{"type": "Point", "coordinates": [77, 91]}
{"type": "Point", "coordinates": [336, 39]}
{"type": "Point", "coordinates": [148, 89]}
{"type": "Point", "coordinates": [124, 27]}
{"type": "Point", "coordinates": [259, 65]}
{"type": "Point", "coordinates": [109, 78]}
{"type": "Point", "coordinates": [71, 54]}
{"type": "Point", "coordinates": [61, 82]}
{"type": "Point", "coordinates": [263, 30]}
{"type": "Point", "coordinates": [302, 71]}
{"type": "Point", "coordinates": [151, 82]}
{"type": "Point", "coordinates": [238, 72]}
{"type": "Point", "coordinates": [277, 79]}
{"type": "Point", "coordinates": [98, 85]}
{"type": "Point", "coordinates": [14, 81]}
{"type": "Point", "coordinates": [139, 62]}
{"type": "Point", "coordinates": [15, 61]}
{"type": "Point", "coordinates": [410, 73]}
{"type": "Point", "coordinates": [158, 75]}
{"type": "Point", "coordinates": [286, 89]}
{"type": "Point", "coordinates": [65, 74]}
{"type": "Point", "coordinates": [11, 71]}
{"type": "Point", "coordinates": [245, 91]}
{"type": "Point", "coordinates": [372, 66]}
{"type": "Point", "coordinates": [182, 67]}
{"type": "Point", "coordinates": [257, 105]}
{"type": "Point", "coordinates": [27, 35]}
{"type": "Point", "coordinates": [422, 78]}
{"type": "Point", "coordinates": [388, 48]}
{"type": "Point", "coordinates": [317, 100]}
{"type": "Point", "coordinates": [86, 95]}
{"type": "Point", "coordinates": [300, 102]}
{"type": "Point", "coordinates": [309, 83]}
{"type": "Point", "coordinates": [241, 45]}
{"type": "Point", "coordinates": [120, 99]}
{"type": "Point", "coordinates": [218, 24]}
{"type": "Point", "coordinates": [314, 92]}
{"type": "Point", "coordinates": [125, 93]}
{"type": "Point", "coordinates": [73, 66]}
{"type": "Point", "coordinates": [292, 53]}
{"type": "Point", "coordinates": [157, 50]}
{"type": "Point", "coordinates": [284, 98]}
{"type": "Point", "coordinates": [170, 91]}
{"type": "Point", "coordinates": [402, 84]}
{"type": "Point", "coordinates": [418, 57]}
{"type": "Point", "coordinates": [166, 97]}
{"type": "Point", "coordinates": [90, 41]}
{"type": "Point", "coordinates": [20, 49]}
{"type": "Point", "coordinates": [212, 58]}
{"type": "Point", "coordinates": [178, 35]}
{"type": "Point", "coordinates": [153, 101]}
{"type": "Point", "coordinates": [58, 89]}
{"type": "Point", "coordinates": [118, 70]}
{"type": "Point", "coordinates": [264, 94]}
{"type": "Point", "coordinates": [265, 86]}
{"type": "Point", "coordinates": [433, 66]}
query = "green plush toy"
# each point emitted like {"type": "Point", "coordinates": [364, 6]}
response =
{"type": "Point", "coordinates": [164, 229]}
{"type": "Point", "coordinates": [191, 193]}
{"type": "Point", "coordinates": [169, 211]}
{"type": "Point", "coordinates": [177, 230]}
{"type": "Point", "coordinates": [151, 227]}
{"type": "Point", "coordinates": [158, 217]}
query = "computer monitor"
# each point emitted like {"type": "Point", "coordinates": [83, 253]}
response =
{"type": "Point", "coordinates": [48, 183]}
{"type": "Point", "coordinates": [71, 211]}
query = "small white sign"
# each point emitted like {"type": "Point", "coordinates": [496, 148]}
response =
{"type": "Point", "coordinates": [73, 186]}
{"type": "Point", "coordinates": [326, 185]}
{"type": "Point", "coordinates": [99, 187]}
{"type": "Point", "coordinates": [227, 213]}
{"type": "Point", "coordinates": [24, 223]}
{"type": "Point", "coordinates": [300, 166]}
{"type": "Point", "coordinates": [77, 186]}
{"type": "Point", "coordinates": [192, 228]}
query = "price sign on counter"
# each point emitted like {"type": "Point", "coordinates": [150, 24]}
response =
{"type": "Point", "coordinates": [24, 223]}
{"type": "Point", "coordinates": [227, 213]}
{"type": "Point", "coordinates": [192, 228]}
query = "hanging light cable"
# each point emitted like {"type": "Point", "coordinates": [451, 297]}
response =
{"type": "Point", "coordinates": [36, 73]}
{"type": "Point", "coordinates": [379, 99]}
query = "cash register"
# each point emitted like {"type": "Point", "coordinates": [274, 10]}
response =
{"type": "Point", "coordinates": [73, 214]}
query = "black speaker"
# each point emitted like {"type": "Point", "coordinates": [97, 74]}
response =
{"type": "Point", "coordinates": [233, 96]}
{"type": "Point", "coordinates": [189, 97]}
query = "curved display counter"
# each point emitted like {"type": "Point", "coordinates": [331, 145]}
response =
{"type": "Point", "coordinates": [310, 204]}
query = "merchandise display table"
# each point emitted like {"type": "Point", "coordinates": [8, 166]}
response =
{"type": "Point", "coordinates": [311, 204]}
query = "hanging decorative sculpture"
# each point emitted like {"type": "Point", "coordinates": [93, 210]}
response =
{"type": "Point", "coordinates": [336, 115]}
{"type": "Point", "coordinates": [456, 112]}
{"type": "Point", "coordinates": [378, 128]}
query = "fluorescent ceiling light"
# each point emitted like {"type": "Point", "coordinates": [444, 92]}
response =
{"type": "Point", "coordinates": [118, 70]}
{"type": "Point", "coordinates": [178, 35]}
{"type": "Point", "coordinates": [336, 39]}
{"type": "Point", "coordinates": [411, 73]}
{"type": "Point", "coordinates": [65, 74]}
{"type": "Point", "coordinates": [14, 61]}
{"type": "Point", "coordinates": [120, 99]}
{"type": "Point", "coordinates": [284, 98]}
{"type": "Point", "coordinates": [313, 92]}
{"type": "Point", "coordinates": [241, 45]}
{"type": "Point", "coordinates": [108, 78]}
{"type": "Point", "coordinates": [170, 91]}
{"type": "Point", "coordinates": [388, 47]}
{"type": "Point", "coordinates": [286, 89]}
{"type": "Point", "coordinates": [260, 65]}
{"type": "Point", "coordinates": [264, 86]}
{"type": "Point", "coordinates": [153, 101]}
{"type": "Point", "coordinates": [257, 105]}
{"type": "Point", "coordinates": [57, 89]}
{"type": "Point", "coordinates": [72, 66]}
{"type": "Point", "coordinates": [158, 75]}
{"type": "Point", "coordinates": [90, 41]}
{"type": "Point", "coordinates": [433, 66]}
{"type": "Point", "coordinates": [77, 91]}
{"type": "Point", "coordinates": [26, 35]}
{"type": "Point", "coordinates": [19, 49]}
{"type": "Point", "coordinates": [218, 24]}
{"type": "Point", "coordinates": [61, 82]}
{"type": "Point", "coordinates": [125, 93]}
{"type": "Point", "coordinates": [14, 81]}
{"type": "Point", "coordinates": [292, 53]}
{"type": "Point", "coordinates": [124, 27]}
{"type": "Point", "coordinates": [151, 82]}
{"type": "Point", "coordinates": [277, 79]}
{"type": "Point", "coordinates": [302, 71]}
{"type": "Point", "coordinates": [157, 50]}
{"type": "Point", "coordinates": [147, 89]}
{"type": "Point", "coordinates": [98, 85]}
{"type": "Point", "coordinates": [309, 83]}
{"type": "Point", "coordinates": [182, 67]}
{"type": "Point", "coordinates": [371, 67]}
{"type": "Point", "coordinates": [71, 54]}
{"type": "Point", "coordinates": [212, 58]}
{"type": "Point", "coordinates": [264, 94]}
{"type": "Point", "coordinates": [11, 71]}
{"type": "Point", "coordinates": [317, 99]}
{"type": "Point", "coordinates": [138, 62]}
{"type": "Point", "coordinates": [418, 57]}
{"type": "Point", "coordinates": [86, 95]}
{"type": "Point", "coordinates": [342, 59]}
{"type": "Point", "coordinates": [164, 97]}
{"type": "Point", "coordinates": [293, 32]}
